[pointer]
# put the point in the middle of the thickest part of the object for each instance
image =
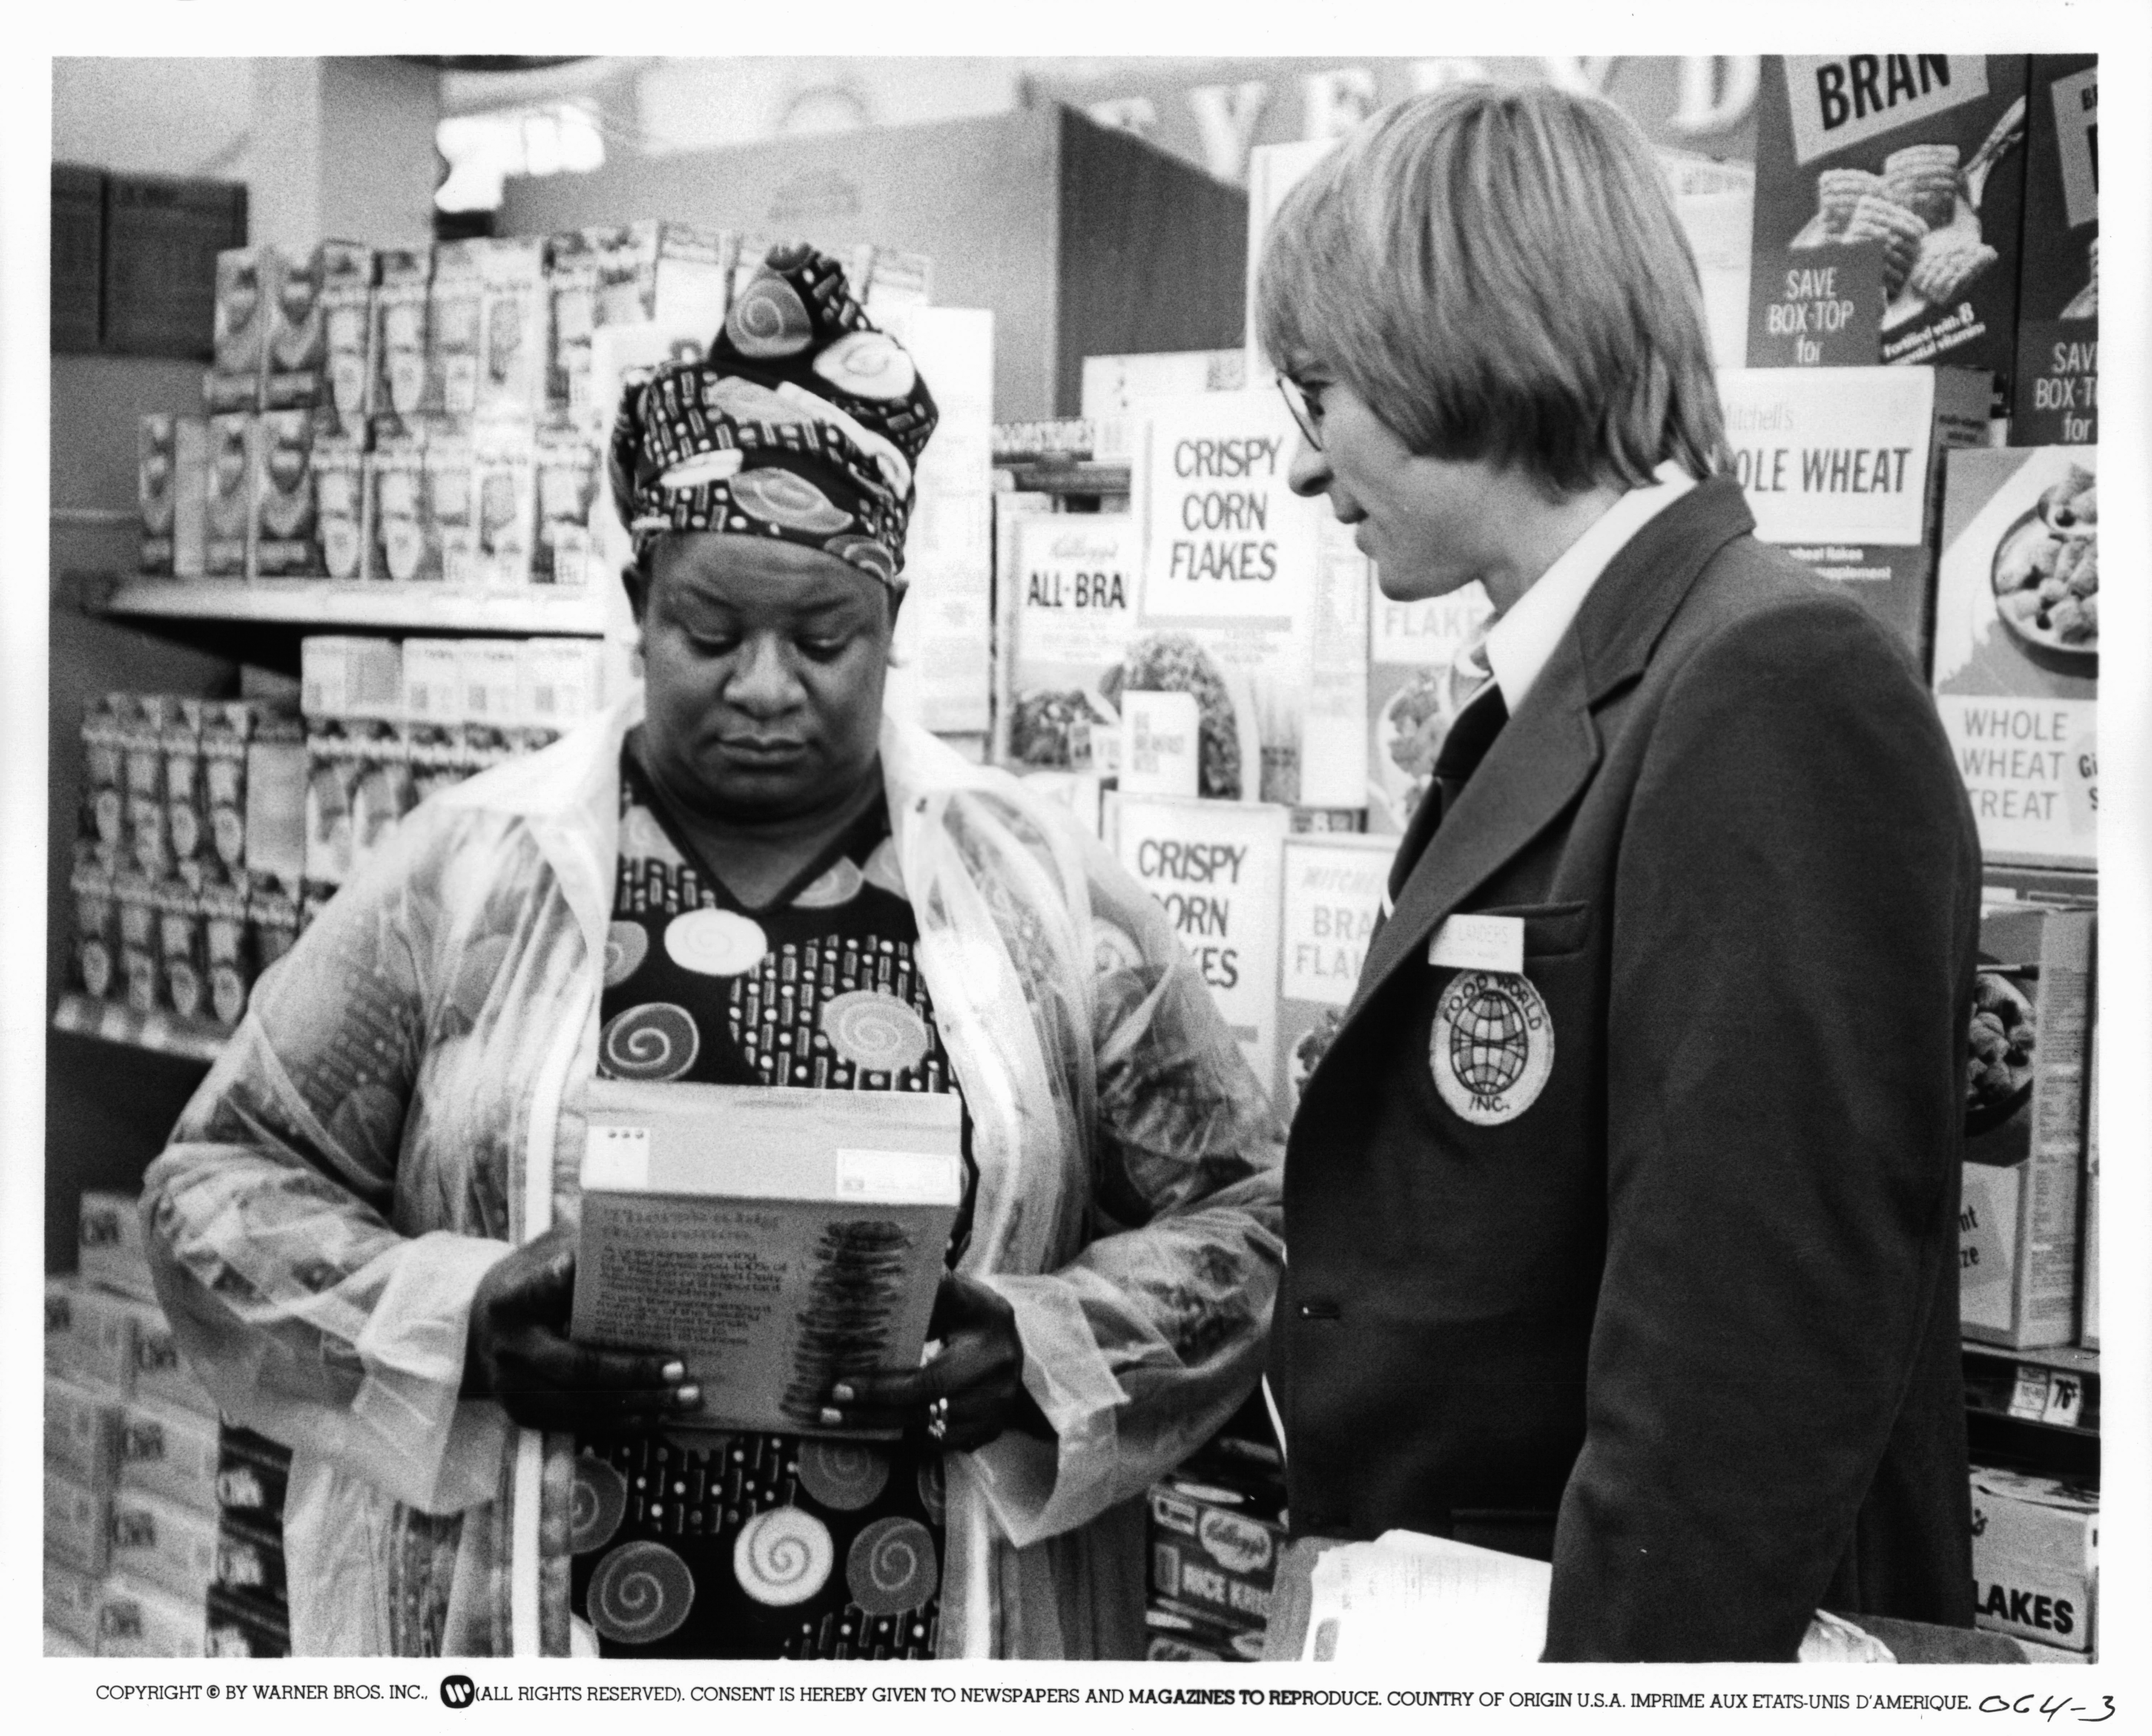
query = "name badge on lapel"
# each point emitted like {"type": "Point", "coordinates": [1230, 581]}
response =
{"type": "Point", "coordinates": [1491, 1047]}
{"type": "Point", "coordinates": [1479, 943]}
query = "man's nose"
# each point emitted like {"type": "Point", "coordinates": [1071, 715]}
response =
{"type": "Point", "coordinates": [1309, 472]}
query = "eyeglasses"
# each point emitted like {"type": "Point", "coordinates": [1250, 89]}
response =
{"type": "Point", "coordinates": [1304, 414]}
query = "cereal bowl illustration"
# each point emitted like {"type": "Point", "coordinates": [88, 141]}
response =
{"type": "Point", "coordinates": [2047, 570]}
{"type": "Point", "coordinates": [1923, 206]}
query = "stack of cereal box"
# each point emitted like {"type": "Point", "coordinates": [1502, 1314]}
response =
{"type": "Point", "coordinates": [164, 1527]}
{"type": "Point", "coordinates": [1217, 1527]}
{"type": "Point", "coordinates": [2036, 1562]}
{"type": "Point", "coordinates": [171, 827]}
{"type": "Point", "coordinates": [414, 415]}
{"type": "Point", "coordinates": [212, 828]}
{"type": "Point", "coordinates": [389, 722]}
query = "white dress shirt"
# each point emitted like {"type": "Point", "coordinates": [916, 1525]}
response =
{"type": "Point", "coordinates": [1520, 642]}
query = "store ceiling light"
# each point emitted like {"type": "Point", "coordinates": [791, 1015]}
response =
{"type": "Point", "coordinates": [482, 151]}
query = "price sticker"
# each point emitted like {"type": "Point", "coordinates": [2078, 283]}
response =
{"type": "Point", "coordinates": [2028, 1399]}
{"type": "Point", "coordinates": [2065, 1399]}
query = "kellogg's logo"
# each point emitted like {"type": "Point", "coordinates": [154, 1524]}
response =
{"type": "Point", "coordinates": [1238, 1545]}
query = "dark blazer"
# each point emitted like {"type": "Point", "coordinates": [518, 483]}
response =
{"type": "Point", "coordinates": [1689, 1320]}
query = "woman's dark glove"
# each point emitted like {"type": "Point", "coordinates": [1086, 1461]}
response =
{"type": "Point", "coordinates": [517, 1351]}
{"type": "Point", "coordinates": [978, 1377]}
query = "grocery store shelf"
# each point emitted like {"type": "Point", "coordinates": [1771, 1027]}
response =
{"type": "Point", "coordinates": [164, 1032]}
{"type": "Point", "coordinates": [2050, 1389]}
{"type": "Point", "coordinates": [318, 603]}
{"type": "Point", "coordinates": [1062, 477]}
{"type": "Point", "coordinates": [2069, 1358]}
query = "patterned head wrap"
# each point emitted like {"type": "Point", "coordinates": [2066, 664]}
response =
{"type": "Point", "coordinates": [804, 423]}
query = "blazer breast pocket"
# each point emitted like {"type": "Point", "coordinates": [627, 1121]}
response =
{"type": "Point", "coordinates": [1550, 930]}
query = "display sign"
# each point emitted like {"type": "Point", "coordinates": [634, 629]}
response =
{"type": "Point", "coordinates": [1215, 867]}
{"type": "Point", "coordinates": [1247, 602]}
{"type": "Point", "coordinates": [1888, 196]}
{"type": "Point", "coordinates": [2058, 390]}
{"type": "Point", "coordinates": [1332, 900]}
{"type": "Point", "coordinates": [1842, 469]}
{"type": "Point", "coordinates": [2017, 650]}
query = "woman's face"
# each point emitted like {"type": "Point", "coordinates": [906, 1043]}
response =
{"type": "Point", "coordinates": [1431, 525]}
{"type": "Point", "coordinates": [764, 662]}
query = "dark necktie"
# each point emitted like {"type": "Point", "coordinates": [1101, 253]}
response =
{"type": "Point", "coordinates": [1467, 742]}
{"type": "Point", "coordinates": [1469, 738]}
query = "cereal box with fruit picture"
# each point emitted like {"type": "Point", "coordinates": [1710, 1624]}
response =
{"type": "Point", "coordinates": [2017, 647]}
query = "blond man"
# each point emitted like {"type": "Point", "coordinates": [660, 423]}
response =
{"type": "Point", "coordinates": [1622, 1210]}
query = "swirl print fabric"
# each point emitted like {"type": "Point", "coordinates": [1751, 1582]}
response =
{"type": "Point", "coordinates": [754, 1546]}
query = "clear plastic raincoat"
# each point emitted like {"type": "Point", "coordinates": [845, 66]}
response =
{"type": "Point", "coordinates": [402, 1105]}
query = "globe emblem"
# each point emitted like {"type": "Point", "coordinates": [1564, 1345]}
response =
{"type": "Point", "coordinates": [1489, 1043]}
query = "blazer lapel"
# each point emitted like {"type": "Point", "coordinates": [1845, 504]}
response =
{"type": "Point", "coordinates": [1551, 747]}
{"type": "Point", "coordinates": [1538, 762]}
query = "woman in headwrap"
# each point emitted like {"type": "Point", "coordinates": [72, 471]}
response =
{"type": "Point", "coordinates": [362, 1228]}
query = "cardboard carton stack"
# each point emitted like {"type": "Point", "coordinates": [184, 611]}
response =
{"type": "Point", "coordinates": [1217, 1527]}
{"type": "Point", "coordinates": [164, 1525]}
{"type": "Point", "coordinates": [209, 827]}
{"type": "Point", "coordinates": [389, 722]}
{"type": "Point", "coordinates": [162, 877]}
{"type": "Point", "coordinates": [2036, 1562]}
{"type": "Point", "coordinates": [435, 416]}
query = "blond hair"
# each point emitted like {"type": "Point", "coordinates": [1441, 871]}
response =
{"type": "Point", "coordinates": [1500, 274]}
